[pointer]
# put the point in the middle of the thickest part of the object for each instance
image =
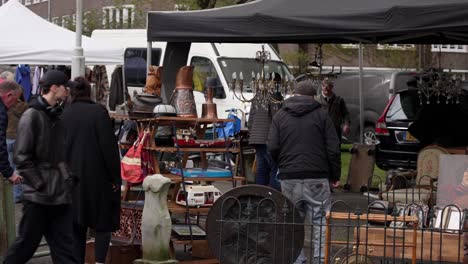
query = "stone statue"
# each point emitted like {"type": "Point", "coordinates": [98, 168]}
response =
{"type": "Point", "coordinates": [156, 222]}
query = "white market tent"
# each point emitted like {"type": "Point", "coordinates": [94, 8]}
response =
{"type": "Point", "coordinates": [29, 39]}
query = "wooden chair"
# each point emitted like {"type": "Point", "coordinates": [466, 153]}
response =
{"type": "Point", "coordinates": [420, 186]}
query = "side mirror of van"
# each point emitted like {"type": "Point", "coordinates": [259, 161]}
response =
{"type": "Point", "coordinates": [219, 92]}
{"type": "Point", "coordinates": [218, 89]}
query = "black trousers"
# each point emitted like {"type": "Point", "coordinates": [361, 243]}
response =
{"type": "Point", "coordinates": [54, 222]}
{"type": "Point", "coordinates": [101, 244]}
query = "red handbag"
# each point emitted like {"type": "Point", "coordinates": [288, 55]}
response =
{"type": "Point", "coordinates": [133, 166]}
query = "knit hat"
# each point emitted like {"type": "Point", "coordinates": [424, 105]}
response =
{"type": "Point", "coordinates": [305, 88]}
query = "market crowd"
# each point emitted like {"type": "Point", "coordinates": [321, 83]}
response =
{"type": "Point", "coordinates": [60, 148]}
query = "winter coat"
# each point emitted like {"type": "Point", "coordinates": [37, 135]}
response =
{"type": "Point", "coordinates": [5, 167]}
{"type": "Point", "coordinates": [336, 108]}
{"type": "Point", "coordinates": [259, 122]}
{"type": "Point", "coordinates": [39, 156]}
{"type": "Point", "coordinates": [14, 115]}
{"type": "Point", "coordinates": [303, 141]}
{"type": "Point", "coordinates": [93, 156]}
{"type": "Point", "coordinates": [116, 93]}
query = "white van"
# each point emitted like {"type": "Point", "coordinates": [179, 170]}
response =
{"type": "Point", "coordinates": [218, 60]}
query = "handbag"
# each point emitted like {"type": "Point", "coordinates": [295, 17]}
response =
{"type": "Point", "coordinates": [133, 166]}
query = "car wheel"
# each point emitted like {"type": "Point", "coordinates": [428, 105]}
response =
{"type": "Point", "coordinates": [369, 136]}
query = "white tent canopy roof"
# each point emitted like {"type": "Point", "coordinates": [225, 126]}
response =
{"type": "Point", "coordinates": [29, 39]}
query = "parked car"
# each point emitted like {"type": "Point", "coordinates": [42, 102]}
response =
{"type": "Point", "coordinates": [378, 87]}
{"type": "Point", "coordinates": [396, 147]}
{"type": "Point", "coordinates": [438, 123]}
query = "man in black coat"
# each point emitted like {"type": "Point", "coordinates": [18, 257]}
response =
{"type": "Point", "coordinates": [335, 106]}
{"type": "Point", "coordinates": [303, 142]}
{"type": "Point", "coordinates": [48, 183]}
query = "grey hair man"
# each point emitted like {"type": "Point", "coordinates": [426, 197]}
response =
{"type": "Point", "coordinates": [335, 106]}
{"type": "Point", "coordinates": [9, 94]}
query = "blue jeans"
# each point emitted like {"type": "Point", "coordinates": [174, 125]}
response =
{"type": "Point", "coordinates": [312, 197]}
{"type": "Point", "coordinates": [266, 168]}
{"type": "Point", "coordinates": [17, 189]}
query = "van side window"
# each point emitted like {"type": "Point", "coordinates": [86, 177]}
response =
{"type": "Point", "coordinates": [204, 68]}
{"type": "Point", "coordinates": [135, 65]}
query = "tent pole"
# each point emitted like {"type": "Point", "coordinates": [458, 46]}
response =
{"type": "Point", "coordinates": [149, 50]}
{"type": "Point", "coordinates": [78, 60]}
{"type": "Point", "coordinates": [48, 11]}
{"type": "Point", "coordinates": [361, 101]}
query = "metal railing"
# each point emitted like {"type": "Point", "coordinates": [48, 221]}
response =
{"type": "Point", "coordinates": [261, 231]}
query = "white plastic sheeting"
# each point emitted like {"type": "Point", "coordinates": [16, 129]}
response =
{"type": "Point", "coordinates": [27, 38]}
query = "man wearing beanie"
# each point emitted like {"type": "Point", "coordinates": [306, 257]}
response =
{"type": "Point", "coordinates": [47, 186]}
{"type": "Point", "coordinates": [303, 141]}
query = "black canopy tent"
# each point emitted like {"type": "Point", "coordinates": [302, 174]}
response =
{"type": "Point", "coordinates": [309, 21]}
{"type": "Point", "coordinates": [331, 21]}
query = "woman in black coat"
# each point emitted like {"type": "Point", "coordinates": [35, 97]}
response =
{"type": "Point", "coordinates": [93, 155]}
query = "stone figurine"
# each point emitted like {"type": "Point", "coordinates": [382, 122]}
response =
{"type": "Point", "coordinates": [156, 222]}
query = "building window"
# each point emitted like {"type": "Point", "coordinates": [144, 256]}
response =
{"type": "Point", "coordinates": [27, 2]}
{"type": "Point", "coordinates": [449, 48]}
{"type": "Point", "coordinates": [36, 1]}
{"type": "Point", "coordinates": [350, 46]}
{"type": "Point", "coordinates": [45, 0]}
{"type": "Point", "coordinates": [57, 21]}
{"type": "Point", "coordinates": [118, 17]}
{"type": "Point", "coordinates": [396, 46]}
{"type": "Point", "coordinates": [181, 7]}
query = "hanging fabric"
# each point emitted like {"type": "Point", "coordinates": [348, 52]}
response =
{"type": "Point", "coordinates": [99, 77]}
{"type": "Point", "coordinates": [23, 78]}
{"type": "Point", "coordinates": [36, 78]}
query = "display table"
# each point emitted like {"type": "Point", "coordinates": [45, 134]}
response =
{"type": "Point", "coordinates": [366, 245]}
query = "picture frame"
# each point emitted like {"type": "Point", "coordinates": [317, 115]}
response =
{"type": "Point", "coordinates": [182, 232]}
{"type": "Point", "coordinates": [441, 216]}
{"type": "Point", "coordinates": [454, 220]}
{"type": "Point", "coordinates": [452, 183]}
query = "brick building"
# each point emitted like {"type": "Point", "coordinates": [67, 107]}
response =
{"type": "Point", "coordinates": [106, 13]}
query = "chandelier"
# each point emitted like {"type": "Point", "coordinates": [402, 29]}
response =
{"type": "Point", "coordinates": [265, 87]}
{"type": "Point", "coordinates": [445, 87]}
{"type": "Point", "coordinates": [317, 76]}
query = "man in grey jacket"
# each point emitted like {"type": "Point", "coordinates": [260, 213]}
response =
{"type": "Point", "coordinates": [303, 142]}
